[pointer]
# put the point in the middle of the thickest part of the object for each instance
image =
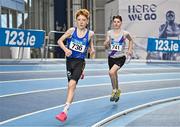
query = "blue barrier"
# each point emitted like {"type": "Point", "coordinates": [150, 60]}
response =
{"type": "Point", "coordinates": [21, 38]}
{"type": "Point", "coordinates": [163, 45]}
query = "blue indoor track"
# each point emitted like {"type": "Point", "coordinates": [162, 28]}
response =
{"type": "Point", "coordinates": [32, 93]}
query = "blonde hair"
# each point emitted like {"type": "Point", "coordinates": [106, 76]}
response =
{"type": "Point", "coordinates": [83, 12]}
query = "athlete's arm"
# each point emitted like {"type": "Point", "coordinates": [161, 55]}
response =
{"type": "Point", "coordinates": [130, 45]}
{"type": "Point", "coordinates": [91, 39]}
{"type": "Point", "coordinates": [67, 34]}
{"type": "Point", "coordinates": [107, 40]}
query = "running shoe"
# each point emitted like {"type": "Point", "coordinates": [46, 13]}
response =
{"type": "Point", "coordinates": [61, 116]}
{"type": "Point", "coordinates": [112, 96]}
{"type": "Point", "coordinates": [117, 95]}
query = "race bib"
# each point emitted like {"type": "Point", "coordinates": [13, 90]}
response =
{"type": "Point", "coordinates": [77, 47]}
{"type": "Point", "coordinates": [116, 47]}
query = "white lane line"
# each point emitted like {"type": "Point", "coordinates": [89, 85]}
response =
{"type": "Point", "coordinates": [129, 117]}
{"type": "Point", "coordinates": [30, 80]}
{"type": "Point", "coordinates": [109, 119]}
{"type": "Point", "coordinates": [59, 61]}
{"type": "Point", "coordinates": [91, 99]}
{"type": "Point", "coordinates": [103, 84]}
{"type": "Point", "coordinates": [34, 65]}
{"type": "Point", "coordinates": [126, 69]}
{"type": "Point", "coordinates": [64, 64]}
{"type": "Point", "coordinates": [93, 76]}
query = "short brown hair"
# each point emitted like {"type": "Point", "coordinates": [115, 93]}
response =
{"type": "Point", "coordinates": [83, 12]}
{"type": "Point", "coordinates": [117, 17]}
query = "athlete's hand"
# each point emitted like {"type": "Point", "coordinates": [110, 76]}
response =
{"type": "Point", "coordinates": [129, 53]}
{"type": "Point", "coordinates": [106, 45]}
{"type": "Point", "coordinates": [92, 53]}
{"type": "Point", "coordinates": [68, 52]}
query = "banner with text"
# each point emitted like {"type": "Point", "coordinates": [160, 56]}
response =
{"type": "Point", "coordinates": [146, 18]}
{"type": "Point", "coordinates": [21, 38]}
{"type": "Point", "coordinates": [163, 45]}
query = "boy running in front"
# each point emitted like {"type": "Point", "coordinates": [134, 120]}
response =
{"type": "Point", "coordinates": [79, 38]}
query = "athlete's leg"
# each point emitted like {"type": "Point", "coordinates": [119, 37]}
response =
{"type": "Point", "coordinates": [114, 76]}
{"type": "Point", "coordinates": [115, 65]}
{"type": "Point", "coordinates": [114, 80]}
{"type": "Point", "coordinates": [71, 89]}
{"type": "Point", "coordinates": [74, 74]}
{"type": "Point", "coordinates": [70, 95]}
{"type": "Point", "coordinates": [118, 90]}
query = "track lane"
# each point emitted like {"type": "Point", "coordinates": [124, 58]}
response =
{"type": "Point", "coordinates": [86, 114]}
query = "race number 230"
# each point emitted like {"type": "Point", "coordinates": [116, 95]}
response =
{"type": "Point", "coordinates": [19, 38]}
{"type": "Point", "coordinates": [166, 45]}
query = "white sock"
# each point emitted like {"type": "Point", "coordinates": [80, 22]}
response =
{"type": "Point", "coordinates": [66, 107]}
{"type": "Point", "coordinates": [114, 90]}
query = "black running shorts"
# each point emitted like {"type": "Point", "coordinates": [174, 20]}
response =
{"type": "Point", "coordinates": [118, 61]}
{"type": "Point", "coordinates": [74, 68]}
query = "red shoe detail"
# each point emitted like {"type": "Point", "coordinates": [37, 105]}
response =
{"type": "Point", "coordinates": [82, 76]}
{"type": "Point", "coordinates": [61, 117]}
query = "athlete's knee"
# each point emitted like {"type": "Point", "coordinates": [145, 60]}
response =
{"type": "Point", "coordinates": [72, 84]}
{"type": "Point", "coordinates": [111, 73]}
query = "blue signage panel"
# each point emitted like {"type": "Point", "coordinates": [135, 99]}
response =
{"type": "Point", "coordinates": [18, 5]}
{"type": "Point", "coordinates": [21, 38]}
{"type": "Point", "coordinates": [163, 45]}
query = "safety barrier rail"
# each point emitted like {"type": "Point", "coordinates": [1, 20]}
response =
{"type": "Point", "coordinates": [144, 48]}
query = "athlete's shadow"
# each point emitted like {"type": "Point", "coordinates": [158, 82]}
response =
{"type": "Point", "coordinates": [87, 118]}
{"type": "Point", "coordinates": [111, 109]}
